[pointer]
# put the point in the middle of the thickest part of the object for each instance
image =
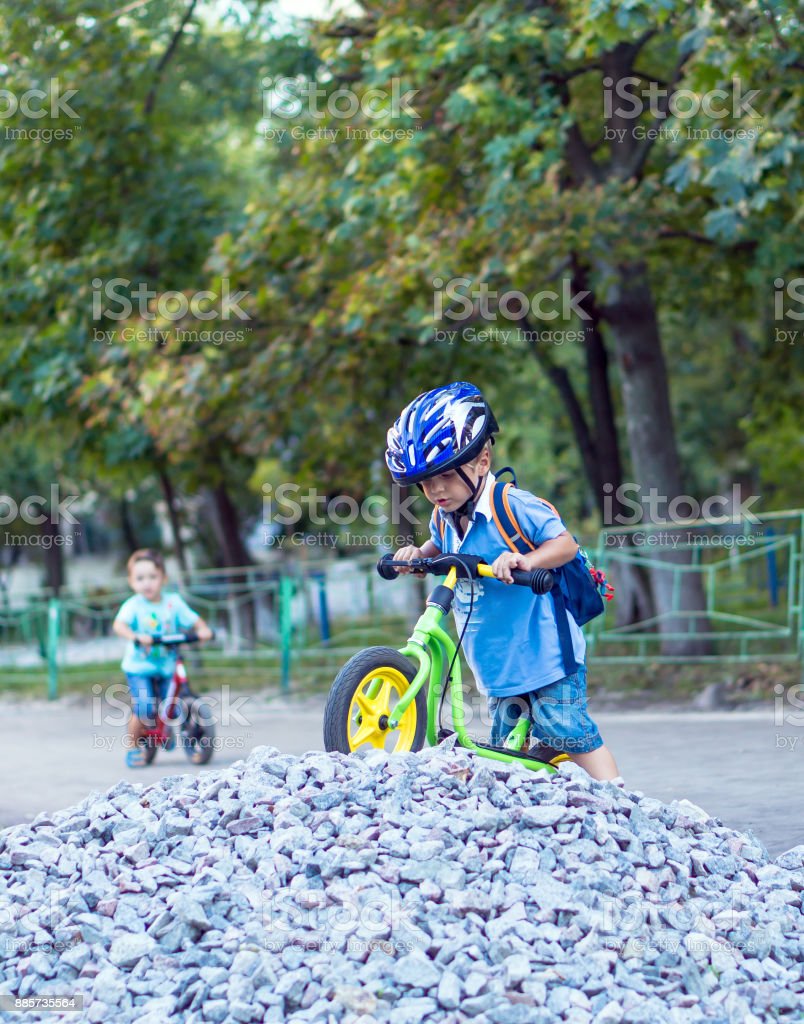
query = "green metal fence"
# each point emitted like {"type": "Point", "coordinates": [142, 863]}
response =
{"type": "Point", "coordinates": [751, 575]}
{"type": "Point", "coordinates": [299, 621]}
{"type": "Point", "coordinates": [273, 625]}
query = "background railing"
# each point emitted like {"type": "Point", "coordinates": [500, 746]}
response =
{"type": "Point", "coordinates": [296, 624]}
{"type": "Point", "coordinates": [752, 578]}
{"type": "Point", "coordinates": [271, 625]}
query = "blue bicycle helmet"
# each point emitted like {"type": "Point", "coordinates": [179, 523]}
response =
{"type": "Point", "coordinates": [440, 430]}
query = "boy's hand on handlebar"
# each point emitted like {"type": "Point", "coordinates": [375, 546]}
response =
{"type": "Point", "coordinates": [202, 631]}
{"type": "Point", "coordinates": [407, 554]}
{"type": "Point", "coordinates": [505, 562]}
{"type": "Point", "coordinates": [144, 640]}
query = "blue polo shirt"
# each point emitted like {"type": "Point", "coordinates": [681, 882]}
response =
{"type": "Point", "coordinates": [171, 614]}
{"type": "Point", "coordinates": [511, 640]}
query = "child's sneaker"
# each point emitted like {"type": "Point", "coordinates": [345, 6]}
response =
{"type": "Point", "coordinates": [136, 758]}
{"type": "Point", "coordinates": [618, 780]}
{"type": "Point", "coordinates": [141, 755]}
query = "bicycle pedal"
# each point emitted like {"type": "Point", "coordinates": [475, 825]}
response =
{"type": "Point", "coordinates": [525, 755]}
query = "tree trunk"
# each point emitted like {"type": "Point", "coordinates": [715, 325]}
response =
{"type": "Point", "coordinates": [598, 444]}
{"type": "Point", "coordinates": [226, 522]}
{"type": "Point", "coordinates": [608, 465]}
{"type": "Point", "coordinates": [227, 528]}
{"type": "Point", "coordinates": [634, 600]}
{"type": "Point", "coordinates": [127, 526]}
{"type": "Point", "coordinates": [654, 455]}
{"type": "Point", "coordinates": [175, 522]}
{"type": "Point", "coordinates": [54, 554]}
{"type": "Point", "coordinates": [404, 528]}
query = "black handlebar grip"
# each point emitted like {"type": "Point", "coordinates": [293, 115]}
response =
{"type": "Point", "coordinates": [387, 572]}
{"type": "Point", "coordinates": [540, 581]}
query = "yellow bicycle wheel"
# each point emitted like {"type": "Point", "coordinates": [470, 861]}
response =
{"type": "Point", "coordinates": [362, 700]}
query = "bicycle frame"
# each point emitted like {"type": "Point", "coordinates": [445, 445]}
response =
{"type": "Point", "coordinates": [433, 648]}
{"type": "Point", "coordinates": [166, 714]}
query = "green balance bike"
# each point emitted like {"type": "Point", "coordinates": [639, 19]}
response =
{"type": "Point", "coordinates": [391, 699]}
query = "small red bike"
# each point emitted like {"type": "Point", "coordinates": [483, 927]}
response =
{"type": "Point", "coordinates": [182, 709]}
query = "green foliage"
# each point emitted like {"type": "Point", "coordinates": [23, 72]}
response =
{"type": "Point", "coordinates": [178, 175]}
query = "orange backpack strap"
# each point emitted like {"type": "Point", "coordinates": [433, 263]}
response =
{"type": "Point", "coordinates": [517, 541]}
{"type": "Point", "coordinates": [437, 525]}
{"type": "Point", "coordinates": [505, 521]}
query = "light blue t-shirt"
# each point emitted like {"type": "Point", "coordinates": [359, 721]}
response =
{"type": "Point", "coordinates": [171, 614]}
{"type": "Point", "coordinates": [511, 641]}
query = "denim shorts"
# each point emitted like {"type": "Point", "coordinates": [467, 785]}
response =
{"type": "Point", "coordinates": [146, 694]}
{"type": "Point", "coordinates": [558, 714]}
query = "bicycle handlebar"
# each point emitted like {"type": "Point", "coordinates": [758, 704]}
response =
{"type": "Point", "coordinates": [540, 581]}
{"type": "Point", "coordinates": [174, 639]}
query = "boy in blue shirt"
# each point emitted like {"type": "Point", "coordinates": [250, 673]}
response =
{"type": "Point", "coordinates": [145, 615]}
{"type": "Point", "coordinates": [442, 442]}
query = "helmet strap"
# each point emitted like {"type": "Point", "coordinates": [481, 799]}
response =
{"type": "Point", "coordinates": [468, 507]}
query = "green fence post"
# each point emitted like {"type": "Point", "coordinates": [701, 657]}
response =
{"type": "Point", "coordinates": [53, 624]}
{"type": "Point", "coordinates": [285, 629]}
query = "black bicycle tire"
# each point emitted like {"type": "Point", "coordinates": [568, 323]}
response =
{"type": "Point", "coordinates": [336, 712]}
{"type": "Point", "coordinates": [197, 741]}
{"type": "Point", "coordinates": [148, 748]}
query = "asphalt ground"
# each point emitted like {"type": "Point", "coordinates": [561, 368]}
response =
{"type": "Point", "coordinates": [744, 767]}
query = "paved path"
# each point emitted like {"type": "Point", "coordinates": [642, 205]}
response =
{"type": "Point", "coordinates": [741, 766]}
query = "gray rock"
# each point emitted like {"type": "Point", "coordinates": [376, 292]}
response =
{"type": "Point", "coordinates": [517, 969]}
{"type": "Point", "coordinates": [76, 956]}
{"type": "Point", "coordinates": [215, 1010]}
{"type": "Point", "coordinates": [128, 950]}
{"type": "Point", "coordinates": [513, 1013]}
{"type": "Point", "coordinates": [190, 912]}
{"type": "Point", "coordinates": [543, 816]}
{"type": "Point", "coordinates": [449, 991]}
{"type": "Point", "coordinates": [407, 1011]}
{"type": "Point", "coordinates": [109, 986]}
{"type": "Point", "coordinates": [476, 1005]}
{"type": "Point", "coordinates": [416, 970]}
{"type": "Point", "coordinates": [442, 887]}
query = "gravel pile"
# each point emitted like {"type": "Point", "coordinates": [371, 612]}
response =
{"type": "Point", "coordinates": [428, 887]}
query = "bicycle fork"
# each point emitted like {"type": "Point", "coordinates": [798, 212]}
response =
{"type": "Point", "coordinates": [431, 646]}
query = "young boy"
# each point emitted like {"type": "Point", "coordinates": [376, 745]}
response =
{"type": "Point", "coordinates": [442, 442]}
{"type": "Point", "coordinates": [141, 617]}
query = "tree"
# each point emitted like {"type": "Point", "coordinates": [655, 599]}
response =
{"type": "Point", "coordinates": [530, 165]}
{"type": "Point", "coordinates": [113, 193]}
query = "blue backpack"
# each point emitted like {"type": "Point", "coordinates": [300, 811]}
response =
{"type": "Point", "coordinates": [579, 589]}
